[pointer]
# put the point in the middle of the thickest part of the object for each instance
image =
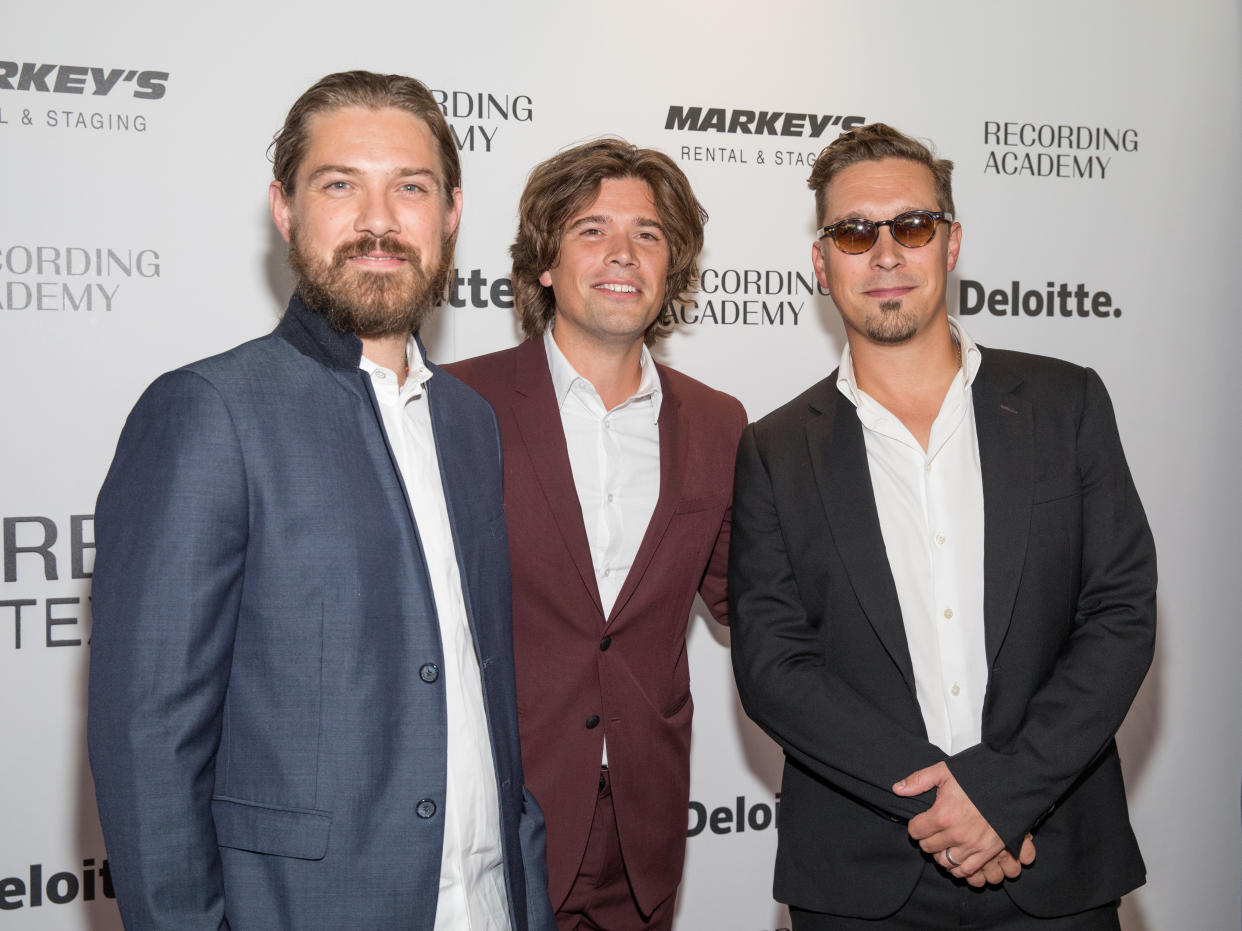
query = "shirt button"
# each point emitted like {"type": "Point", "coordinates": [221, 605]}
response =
{"type": "Point", "coordinates": [607, 572]}
{"type": "Point", "coordinates": [956, 690]}
{"type": "Point", "coordinates": [927, 468]}
{"type": "Point", "coordinates": [940, 538]}
{"type": "Point", "coordinates": [605, 644]}
{"type": "Point", "coordinates": [380, 375]}
{"type": "Point", "coordinates": [592, 722]}
{"type": "Point", "coordinates": [429, 672]}
{"type": "Point", "coordinates": [948, 616]}
{"type": "Point", "coordinates": [610, 497]}
{"type": "Point", "coordinates": [425, 809]}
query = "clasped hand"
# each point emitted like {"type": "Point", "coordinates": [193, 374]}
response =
{"type": "Point", "coordinates": [956, 834]}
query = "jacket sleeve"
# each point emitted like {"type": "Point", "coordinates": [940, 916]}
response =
{"type": "Point", "coordinates": [171, 529]}
{"type": "Point", "coordinates": [714, 588]}
{"type": "Point", "coordinates": [1072, 718]}
{"type": "Point", "coordinates": [786, 687]}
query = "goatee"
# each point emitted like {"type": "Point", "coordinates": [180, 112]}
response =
{"type": "Point", "coordinates": [893, 325]}
{"type": "Point", "coordinates": [369, 304]}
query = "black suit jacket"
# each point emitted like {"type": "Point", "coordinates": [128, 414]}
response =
{"type": "Point", "coordinates": [822, 664]}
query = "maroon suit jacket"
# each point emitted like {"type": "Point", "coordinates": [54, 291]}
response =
{"type": "Point", "coordinates": [581, 676]}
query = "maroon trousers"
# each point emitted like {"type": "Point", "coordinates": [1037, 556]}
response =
{"type": "Point", "coordinates": [601, 898]}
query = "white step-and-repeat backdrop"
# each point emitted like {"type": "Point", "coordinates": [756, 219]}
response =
{"type": "Point", "coordinates": [1096, 146]}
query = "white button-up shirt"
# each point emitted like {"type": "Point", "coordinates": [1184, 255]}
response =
{"type": "Point", "coordinates": [930, 505]}
{"type": "Point", "coordinates": [472, 882]}
{"type": "Point", "coordinates": [615, 458]}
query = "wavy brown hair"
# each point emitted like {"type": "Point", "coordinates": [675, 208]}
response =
{"type": "Point", "coordinates": [569, 181]}
{"type": "Point", "coordinates": [871, 143]}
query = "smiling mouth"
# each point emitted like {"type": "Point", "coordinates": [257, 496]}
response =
{"type": "Point", "coordinates": [617, 288]}
{"type": "Point", "coordinates": [890, 292]}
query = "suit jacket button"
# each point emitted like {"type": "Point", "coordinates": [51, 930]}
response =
{"type": "Point", "coordinates": [426, 808]}
{"type": "Point", "coordinates": [592, 721]}
{"type": "Point", "coordinates": [605, 643]}
{"type": "Point", "coordinates": [429, 672]}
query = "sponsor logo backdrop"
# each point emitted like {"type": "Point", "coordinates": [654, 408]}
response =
{"type": "Point", "coordinates": [1095, 181]}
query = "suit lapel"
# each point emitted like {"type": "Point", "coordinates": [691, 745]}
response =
{"type": "Point", "coordinates": [674, 445]}
{"type": "Point", "coordinates": [543, 437]}
{"type": "Point", "coordinates": [1006, 432]}
{"type": "Point", "coordinates": [839, 463]}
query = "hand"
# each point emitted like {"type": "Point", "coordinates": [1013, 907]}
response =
{"type": "Point", "coordinates": [1003, 866]}
{"type": "Point", "coordinates": [953, 825]}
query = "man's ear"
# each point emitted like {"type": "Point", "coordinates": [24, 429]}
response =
{"type": "Point", "coordinates": [955, 245]}
{"type": "Point", "coordinates": [453, 217]}
{"type": "Point", "coordinates": [282, 210]}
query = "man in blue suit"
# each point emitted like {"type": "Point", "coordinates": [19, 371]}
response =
{"type": "Point", "coordinates": [302, 709]}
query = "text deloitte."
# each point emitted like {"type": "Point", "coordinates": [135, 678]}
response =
{"type": "Point", "coordinates": [726, 820]}
{"type": "Point", "coordinates": [1055, 300]}
{"type": "Point", "coordinates": [59, 888]}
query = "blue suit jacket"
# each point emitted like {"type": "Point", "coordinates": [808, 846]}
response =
{"type": "Point", "coordinates": [267, 713]}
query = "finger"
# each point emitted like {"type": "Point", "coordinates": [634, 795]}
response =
{"type": "Point", "coordinates": [976, 880]}
{"type": "Point", "coordinates": [993, 873]}
{"type": "Point", "coordinates": [1010, 867]}
{"type": "Point", "coordinates": [921, 780]}
{"type": "Point", "coordinates": [934, 843]}
{"type": "Point", "coordinates": [1027, 854]}
{"type": "Point", "coordinates": [949, 866]}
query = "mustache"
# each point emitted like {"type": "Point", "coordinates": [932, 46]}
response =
{"type": "Point", "coordinates": [364, 245]}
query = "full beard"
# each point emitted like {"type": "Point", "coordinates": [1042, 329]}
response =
{"type": "Point", "coordinates": [891, 325]}
{"type": "Point", "coordinates": [369, 304]}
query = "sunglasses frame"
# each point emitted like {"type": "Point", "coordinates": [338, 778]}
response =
{"type": "Point", "coordinates": [936, 215]}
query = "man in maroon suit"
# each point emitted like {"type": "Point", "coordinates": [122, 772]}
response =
{"type": "Point", "coordinates": [618, 478]}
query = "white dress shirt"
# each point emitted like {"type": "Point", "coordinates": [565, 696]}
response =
{"type": "Point", "coordinates": [615, 458]}
{"type": "Point", "coordinates": [930, 505]}
{"type": "Point", "coordinates": [472, 882]}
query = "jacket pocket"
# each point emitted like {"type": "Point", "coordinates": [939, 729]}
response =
{"type": "Point", "coordinates": [284, 832]}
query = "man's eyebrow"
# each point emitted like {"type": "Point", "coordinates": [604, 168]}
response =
{"type": "Point", "coordinates": [423, 172]}
{"type": "Point", "coordinates": [599, 219]}
{"type": "Point", "coordinates": [331, 170]}
{"type": "Point", "coordinates": [862, 215]}
{"type": "Point", "coordinates": [349, 171]}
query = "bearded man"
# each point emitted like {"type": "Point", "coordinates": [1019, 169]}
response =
{"type": "Point", "coordinates": [302, 707]}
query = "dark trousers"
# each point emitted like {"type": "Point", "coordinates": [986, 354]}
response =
{"type": "Point", "coordinates": [941, 903]}
{"type": "Point", "coordinates": [601, 898]}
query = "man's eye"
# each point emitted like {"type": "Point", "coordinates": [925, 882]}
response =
{"type": "Point", "coordinates": [411, 186]}
{"type": "Point", "coordinates": [337, 185]}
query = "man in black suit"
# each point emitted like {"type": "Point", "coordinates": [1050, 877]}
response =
{"type": "Point", "coordinates": [942, 587]}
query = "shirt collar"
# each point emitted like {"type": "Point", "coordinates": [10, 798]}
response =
{"type": "Point", "coordinates": [847, 384]}
{"type": "Point", "coordinates": [565, 376]}
{"type": "Point", "coordinates": [419, 373]}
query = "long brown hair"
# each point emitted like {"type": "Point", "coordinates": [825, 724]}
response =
{"type": "Point", "coordinates": [566, 183]}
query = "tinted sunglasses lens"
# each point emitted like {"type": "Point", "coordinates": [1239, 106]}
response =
{"type": "Point", "coordinates": [914, 229]}
{"type": "Point", "coordinates": [855, 236]}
